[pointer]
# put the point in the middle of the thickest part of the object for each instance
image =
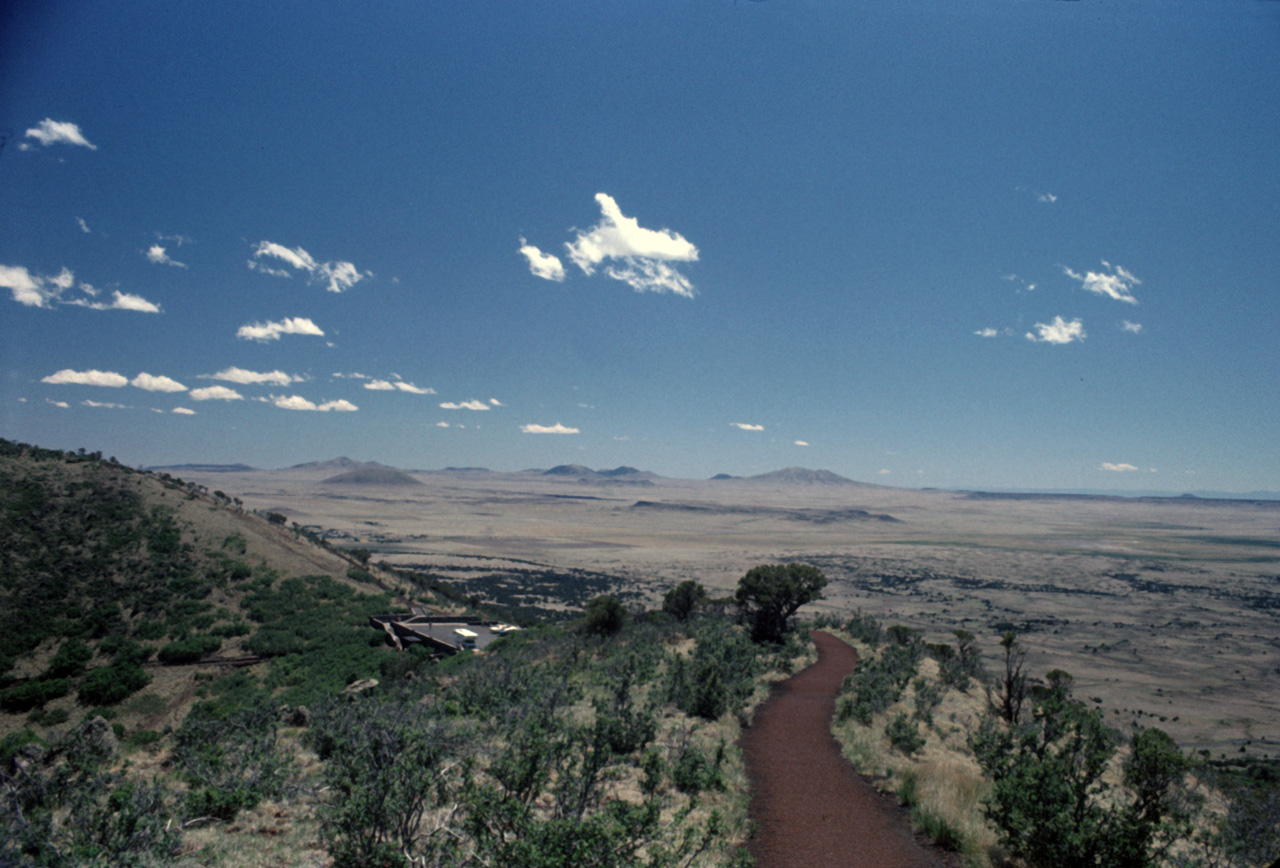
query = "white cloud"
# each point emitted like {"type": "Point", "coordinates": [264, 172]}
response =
{"type": "Point", "coordinates": [63, 404]}
{"type": "Point", "coordinates": [252, 378]}
{"type": "Point", "coordinates": [296, 402]}
{"type": "Point", "coordinates": [34, 290]}
{"type": "Point", "coordinates": [119, 301]}
{"type": "Point", "coordinates": [271, 331]}
{"type": "Point", "coordinates": [127, 301]}
{"type": "Point", "coordinates": [987, 332]}
{"type": "Point", "coordinates": [442, 424]}
{"type": "Point", "coordinates": [379, 386]}
{"type": "Point", "coordinates": [340, 276]}
{"type": "Point", "coordinates": [495, 402]}
{"type": "Point", "coordinates": [183, 411]}
{"type": "Point", "coordinates": [84, 227]}
{"type": "Point", "coordinates": [298, 258]}
{"type": "Point", "coordinates": [87, 378]}
{"type": "Point", "coordinates": [544, 265]}
{"type": "Point", "coordinates": [643, 253]}
{"type": "Point", "coordinates": [1118, 468]}
{"type": "Point", "coordinates": [1023, 284]}
{"type": "Point", "coordinates": [157, 384]}
{"type": "Point", "coordinates": [465, 405]}
{"type": "Point", "coordinates": [216, 393]}
{"type": "Point", "coordinates": [548, 429]}
{"type": "Point", "coordinates": [51, 132]}
{"type": "Point", "coordinates": [1046, 197]}
{"type": "Point", "coordinates": [405, 386]}
{"type": "Point", "coordinates": [747, 426]}
{"type": "Point", "coordinates": [883, 472]}
{"type": "Point", "coordinates": [801, 443]}
{"type": "Point", "coordinates": [1058, 332]}
{"type": "Point", "coordinates": [1118, 284]}
{"type": "Point", "coordinates": [157, 254]}
{"type": "Point", "coordinates": [1134, 327]}
{"type": "Point", "coordinates": [337, 276]}
{"type": "Point", "coordinates": [103, 404]}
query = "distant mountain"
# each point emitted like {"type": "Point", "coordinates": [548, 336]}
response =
{"type": "Point", "coordinates": [342, 463]}
{"type": "Point", "coordinates": [722, 476]}
{"type": "Point", "coordinates": [203, 468]}
{"type": "Point", "coordinates": [618, 475]}
{"type": "Point", "coordinates": [802, 476]}
{"type": "Point", "coordinates": [569, 470]}
{"type": "Point", "coordinates": [373, 474]}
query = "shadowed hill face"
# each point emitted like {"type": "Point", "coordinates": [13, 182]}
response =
{"type": "Point", "coordinates": [373, 475]}
{"type": "Point", "coordinates": [802, 476]}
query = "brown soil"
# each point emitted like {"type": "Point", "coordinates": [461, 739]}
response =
{"type": "Point", "coordinates": [811, 809]}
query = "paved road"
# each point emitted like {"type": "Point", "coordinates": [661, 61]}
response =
{"type": "Point", "coordinates": [811, 809]}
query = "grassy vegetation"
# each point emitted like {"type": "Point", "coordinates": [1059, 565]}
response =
{"type": "Point", "coordinates": [610, 741]}
{"type": "Point", "coordinates": [1013, 768]}
{"type": "Point", "coordinates": [172, 693]}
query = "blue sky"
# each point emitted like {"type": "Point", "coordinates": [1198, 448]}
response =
{"type": "Point", "coordinates": [998, 244]}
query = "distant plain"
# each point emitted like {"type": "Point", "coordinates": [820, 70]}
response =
{"type": "Point", "coordinates": [1165, 610]}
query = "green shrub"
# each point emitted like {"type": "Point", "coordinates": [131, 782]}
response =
{"type": "Point", "coordinates": [720, 676]}
{"type": "Point", "coordinates": [188, 650]}
{"type": "Point", "coordinates": [71, 659]}
{"type": "Point", "coordinates": [30, 694]}
{"type": "Point", "coordinates": [903, 734]}
{"type": "Point", "coordinates": [604, 616]}
{"type": "Point", "coordinates": [109, 685]}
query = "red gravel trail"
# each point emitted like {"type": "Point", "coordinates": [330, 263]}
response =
{"type": "Point", "coordinates": [811, 809]}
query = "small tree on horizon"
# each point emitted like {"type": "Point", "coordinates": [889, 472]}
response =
{"type": "Point", "coordinates": [770, 594]}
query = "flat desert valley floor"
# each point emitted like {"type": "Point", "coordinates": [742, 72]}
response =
{"type": "Point", "coordinates": [1165, 610]}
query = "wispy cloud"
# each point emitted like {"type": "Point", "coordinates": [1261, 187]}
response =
{"type": "Point", "coordinates": [216, 393]}
{"type": "Point", "coordinates": [156, 384]}
{"type": "Point", "coordinates": [51, 132]}
{"type": "Point", "coordinates": [253, 378]}
{"type": "Point", "coordinates": [34, 290]}
{"type": "Point", "coordinates": [39, 290]}
{"type": "Point", "coordinates": [1134, 327]}
{"type": "Point", "coordinates": [465, 405]}
{"type": "Point", "coordinates": [987, 332]}
{"type": "Point", "coordinates": [63, 405]}
{"type": "Point", "coordinates": [156, 253]}
{"type": "Point", "coordinates": [747, 426]}
{"type": "Point", "coordinates": [548, 429]}
{"type": "Point", "coordinates": [643, 254]}
{"type": "Point", "coordinates": [1048, 198]}
{"type": "Point", "coordinates": [544, 265]}
{"type": "Point", "coordinates": [1118, 284]}
{"type": "Point", "coordinates": [1118, 468]}
{"type": "Point", "coordinates": [91, 377]}
{"type": "Point", "coordinates": [271, 331]}
{"type": "Point", "coordinates": [397, 385]}
{"type": "Point", "coordinates": [84, 227]}
{"type": "Point", "coordinates": [183, 411]}
{"type": "Point", "coordinates": [296, 402]}
{"type": "Point", "coordinates": [119, 301]}
{"type": "Point", "coordinates": [337, 276]}
{"type": "Point", "coordinates": [106, 405]}
{"type": "Point", "coordinates": [801, 443]}
{"type": "Point", "coordinates": [1023, 285]}
{"type": "Point", "coordinates": [1057, 332]}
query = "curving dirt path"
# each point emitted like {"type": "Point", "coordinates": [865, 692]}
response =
{"type": "Point", "coordinates": [811, 809]}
